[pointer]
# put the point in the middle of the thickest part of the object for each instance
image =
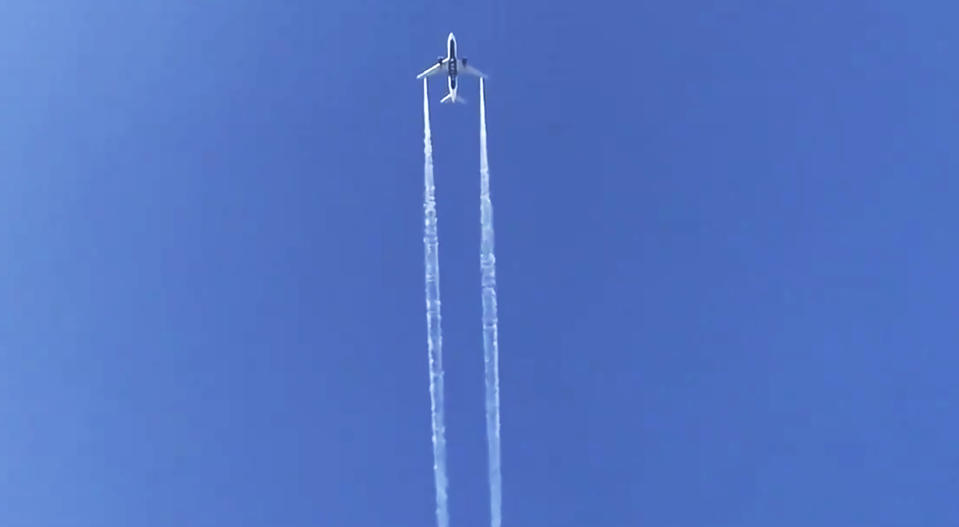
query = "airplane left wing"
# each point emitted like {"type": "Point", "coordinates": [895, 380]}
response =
{"type": "Point", "coordinates": [433, 70]}
{"type": "Point", "coordinates": [470, 70]}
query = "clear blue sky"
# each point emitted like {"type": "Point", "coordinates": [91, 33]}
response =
{"type": "Point", "coordinates": [726, 237]}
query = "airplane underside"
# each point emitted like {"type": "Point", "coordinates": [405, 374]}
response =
{"type": "Point", "coordinates": [453, 66]}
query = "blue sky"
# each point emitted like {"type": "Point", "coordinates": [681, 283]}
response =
{"type": "Point", "coordinates": [725, 263]}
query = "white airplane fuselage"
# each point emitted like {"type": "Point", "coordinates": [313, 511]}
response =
{"type": "Point", "coordinates": [451, 65]}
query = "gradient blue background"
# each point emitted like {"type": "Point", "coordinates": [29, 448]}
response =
{"type": "Point", "coordinates": [726, 240]}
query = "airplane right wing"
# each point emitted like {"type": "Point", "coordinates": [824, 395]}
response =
{"type": "Point", "coordinates": [433, 70]}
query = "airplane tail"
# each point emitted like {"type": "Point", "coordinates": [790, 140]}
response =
{"type": "Point", "coordinates": [449, 98]}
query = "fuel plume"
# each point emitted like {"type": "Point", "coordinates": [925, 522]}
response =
{"type": "Point", "coordinates": [433, 328]}
{"type": "Point", "coordinates": [490, 329]}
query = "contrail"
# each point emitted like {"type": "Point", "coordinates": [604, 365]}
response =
{"type": "Point", "coordinates": [490, 337]}
{"type": "Point", "coordinates": [434, 332]}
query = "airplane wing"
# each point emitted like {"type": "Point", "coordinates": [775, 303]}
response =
{"type": "Point", "coordinates": [432, 70]}
{"type": "Point", "coordinates": [470, 70]}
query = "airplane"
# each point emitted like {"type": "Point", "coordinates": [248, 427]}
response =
{"type": "Point", "coordinates": [452, 67]}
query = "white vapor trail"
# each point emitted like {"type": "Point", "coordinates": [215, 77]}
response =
{"type": "Point", "coordinates": [490, 330]}
{"type": "Point", "coordinates": [433, 329]}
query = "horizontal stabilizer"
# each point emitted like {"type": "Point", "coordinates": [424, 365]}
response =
{"type": "Point", "coordinates": [449, 98]}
